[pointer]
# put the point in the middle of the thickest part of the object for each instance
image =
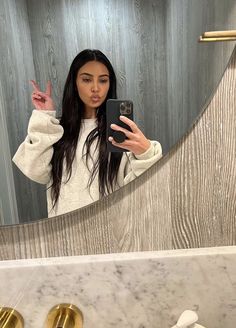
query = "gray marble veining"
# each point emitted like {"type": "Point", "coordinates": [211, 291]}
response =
{"type": "Point", "coordinates": [135, 290]}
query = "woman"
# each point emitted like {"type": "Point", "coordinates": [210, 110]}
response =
{"type": "Point", "coordinates": [70, 155]}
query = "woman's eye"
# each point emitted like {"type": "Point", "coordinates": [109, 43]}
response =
{"type": "Point", "coordinates": [86, 80]}
{"type": "Point", "coordinates": [103, 81]}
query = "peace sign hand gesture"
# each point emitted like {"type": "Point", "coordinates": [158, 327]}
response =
{"type": "Point", "coordinates": [42, 100]}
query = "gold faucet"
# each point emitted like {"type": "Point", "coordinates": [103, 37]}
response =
{"type": "Point", "coordinates": [64, 316]}
{"type": "Point", "coordinates": [10, 318]}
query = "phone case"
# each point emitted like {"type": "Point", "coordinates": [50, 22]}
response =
{"type": "Point", "coordinates": [115, 108]}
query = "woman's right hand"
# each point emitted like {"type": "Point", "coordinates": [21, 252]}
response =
{"type": "Point", "coordinates": [42, 100]}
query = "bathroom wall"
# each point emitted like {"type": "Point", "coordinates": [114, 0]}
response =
{"type": "Point", "coordinates": [187, 200]}
{"type": "Point", "coordinates": [17, 68]}
{"type": "Point", "coordinates": [8, 204]}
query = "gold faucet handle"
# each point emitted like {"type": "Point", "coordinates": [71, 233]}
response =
{"type": "Point", "coordinates": [10, 318]}
{"type": "Point", "coordinates": [64, 316]}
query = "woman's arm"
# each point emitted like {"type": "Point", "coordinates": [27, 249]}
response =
{"type": "Point", "coordinates": [34, 155]}
{"type": "Point", "coordinates": [132, 166]}
{"type": "Point", "coordinates": [143, 152]}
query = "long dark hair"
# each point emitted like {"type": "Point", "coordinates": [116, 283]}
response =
{"type": "Point", "coordinates": [107, 164]}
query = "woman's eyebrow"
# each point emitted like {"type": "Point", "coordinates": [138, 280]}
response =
{"type": "Point", "coordinates": [92, 74]}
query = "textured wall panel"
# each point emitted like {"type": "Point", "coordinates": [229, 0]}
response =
{"type": "Point", "coordinates": [17, 67]}
{"type": "Point", "coordinates": [186, 200]}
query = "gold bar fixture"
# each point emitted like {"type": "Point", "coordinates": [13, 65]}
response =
{"type": "Point", "coordinates": [215, 36]}
{"type": "Point", "coordinates": [64, 316]}
{"type": "Point", "coordinates": [10, 318]}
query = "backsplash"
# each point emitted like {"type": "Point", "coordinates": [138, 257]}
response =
{"type": "Point", "coordinates": [138, 290]}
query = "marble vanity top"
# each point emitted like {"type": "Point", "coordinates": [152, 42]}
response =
{"type": "Point", "coordinates": [135, 290]}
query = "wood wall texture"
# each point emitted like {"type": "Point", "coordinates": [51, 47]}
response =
{"type": "Point", "coordinates": [152, 45]}
{"type": "Point", "coordinates": [17, 67]}
{"type": "Point", "coordinates": [186, 200]}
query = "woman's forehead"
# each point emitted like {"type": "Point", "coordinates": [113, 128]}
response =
{"type": "Point", "coordinates": [93, 68]}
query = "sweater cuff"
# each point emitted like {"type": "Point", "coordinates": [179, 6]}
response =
{"type": "Point", "coordinates": [48, 112]}
{"type": "Point", "coordinates": [147, 154]}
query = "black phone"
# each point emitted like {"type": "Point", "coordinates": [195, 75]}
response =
{"type": "Point", "coordinates": [115, 108]}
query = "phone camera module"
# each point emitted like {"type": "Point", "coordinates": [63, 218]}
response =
{"type": "Point", "coordinates": [125, 108]}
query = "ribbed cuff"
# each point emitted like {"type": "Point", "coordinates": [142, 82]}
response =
{"type": "Point", "coordinates": [147, 154]}
{"type": "Point", "coordinates": [48, 112]}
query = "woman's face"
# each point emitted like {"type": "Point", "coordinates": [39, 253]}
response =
{"type": "Point", "coordinates": [92, 84]}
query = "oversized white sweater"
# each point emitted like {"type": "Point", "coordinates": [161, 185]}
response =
{"type": "Point", "coordinates": [34, 155]}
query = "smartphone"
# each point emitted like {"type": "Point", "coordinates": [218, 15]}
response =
{"type": "Point", "coordinates": [115, 108]}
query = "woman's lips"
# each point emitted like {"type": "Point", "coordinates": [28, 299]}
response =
{"type": "Point", "coordinates": [95, 98]}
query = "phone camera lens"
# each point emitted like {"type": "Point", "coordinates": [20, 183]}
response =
{"type": "Point", "coordinates": [122, 108]}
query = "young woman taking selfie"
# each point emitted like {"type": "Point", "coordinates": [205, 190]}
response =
{"type": "Point", "coordinates": [70, 155]}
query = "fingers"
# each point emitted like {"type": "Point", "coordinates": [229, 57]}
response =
{"type": "Point", "coordinates": [130, 123]}
{"type": "Point", "coordinates": [127, 144]}
{"type": "Point", "coordinates": [49, 89]}
{"type": "Point", "coordinates": [40, 95]}
{"type": "Point", "coordinates": [128, 134]}
{"type": "Point", "coordinates": [37, 88]}
{"type": "Point", "coordinates": [35, 85]}
{"type": "Point", "coordinates": [35, 96]}
{"type": "Point", "coordinates": [134, 134]}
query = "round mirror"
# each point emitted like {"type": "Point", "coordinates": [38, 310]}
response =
{"type": "Point", "coordinates": [153, 47]}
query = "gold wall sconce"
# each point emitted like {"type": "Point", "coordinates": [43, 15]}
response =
{"type": "Point", "coordinates": [215, 36]}
{"type": "Point", "coordinates": [10, 318]}
{"type": "Point", "coordinates": [64, 316]}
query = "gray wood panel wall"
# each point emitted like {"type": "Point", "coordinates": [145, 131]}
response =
{"type": "Point", "coordinates": [186, 200]}
{"type": "Point", "coordinates": [41, 38]}
{"type": "Point", "coordinates": [8, 203]}
{"type": "Point", "coordinates": [193, 69]}
{"type": "Point", "coordinates": [17, 67]}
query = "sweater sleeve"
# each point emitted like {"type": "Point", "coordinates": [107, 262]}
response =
{"type": "Point", "coordinates": [134, 165]}
{"type": "Point", "coordinates": [34, 155]}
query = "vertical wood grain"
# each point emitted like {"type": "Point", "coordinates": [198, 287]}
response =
{"type": "Point", "coordinates": [8, 204]}
{"type": "Point", "coordinates": [16, 62]}
{"type": "Point", "coordinates": [186, 200]}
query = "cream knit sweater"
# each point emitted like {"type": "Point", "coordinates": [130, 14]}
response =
{"type": "Point", "coordinates": [34, 155]}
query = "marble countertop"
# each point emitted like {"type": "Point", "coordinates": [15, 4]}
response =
{"type": "Point", "coordinates": [135, 290]}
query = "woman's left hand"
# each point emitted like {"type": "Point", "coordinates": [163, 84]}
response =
{"type": "Point", "coordinates": [137, 143]}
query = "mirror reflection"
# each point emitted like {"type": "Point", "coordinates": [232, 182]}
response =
{"type": "Point", "coordinates": [152, 46]}
{"type": "Point", "coordinates": [71, 155]}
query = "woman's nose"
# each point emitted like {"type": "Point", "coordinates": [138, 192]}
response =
{"type": "Point", "coordinates": [95, 87]}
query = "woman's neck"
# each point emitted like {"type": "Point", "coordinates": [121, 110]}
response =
{"type": "Point", "coordinates": [90, 113]}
